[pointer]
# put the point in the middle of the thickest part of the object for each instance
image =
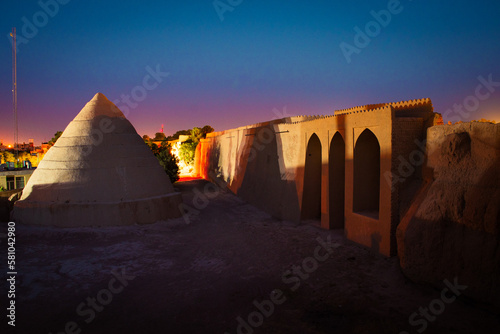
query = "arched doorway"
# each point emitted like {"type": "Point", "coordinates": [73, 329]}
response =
{"type": "Point", "coordinates": [337, 181]}
{"type": "Point", "coordinates": [311, 197]}
{"type": "Point", "coordinates": [367, 175]}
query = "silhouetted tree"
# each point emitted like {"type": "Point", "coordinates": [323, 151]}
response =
{"type": "Point", "coordinates": [167, 160]}
{"type": "Point", "coordinates": [206, 129]}
{"type": "Point", "coordinates": [160, 136]}
{"type": "Point", "coordinates": [55, 138]}
{"type": "Point", "coordinates": [181, 132]}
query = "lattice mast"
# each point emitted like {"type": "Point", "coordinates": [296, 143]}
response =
{"type": "Point", "coordinates": [14, 89]}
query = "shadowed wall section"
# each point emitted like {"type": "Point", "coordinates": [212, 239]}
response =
{"type": "Point", "coordinates": [367, 175]}
{"type": "Point", "coordinates": [311, 200]}
{"type": "Point", "coordinates": [337, 181]}
{"type": "Point", "coordinates": [261, 152]}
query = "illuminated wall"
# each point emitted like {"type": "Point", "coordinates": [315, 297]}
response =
{"type": "Point", "coordinates": [307, 168]}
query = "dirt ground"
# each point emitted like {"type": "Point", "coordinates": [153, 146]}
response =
{"type": "Point", "coordinates": [228, 269]}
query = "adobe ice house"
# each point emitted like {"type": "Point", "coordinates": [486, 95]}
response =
{"type": "Point", "coordinates": [99, 173]}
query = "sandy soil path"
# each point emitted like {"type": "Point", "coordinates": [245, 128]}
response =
{"type": "Point", "coordinates": [208, 276]}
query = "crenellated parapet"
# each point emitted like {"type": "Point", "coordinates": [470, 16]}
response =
{"type": "Point", "coordinates": [402, 105]}
{"type": "Point", "coordinates": [410, 108]}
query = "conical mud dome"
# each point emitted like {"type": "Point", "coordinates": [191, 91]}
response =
{"type": "Point", "coordinates": [100, 172]}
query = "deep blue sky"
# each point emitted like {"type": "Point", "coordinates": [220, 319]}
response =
{"type": "Point", "coordinates": [264, 56]}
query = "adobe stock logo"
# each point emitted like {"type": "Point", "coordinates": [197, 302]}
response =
{"type": "Point", "coordinates": [293, 277]}
{"type": "Point", "coordinates": [139, 93]}
{"type": "Point", "coordinates": [372, 29]}
{"type": "Point", "coordinates": [29, 30]}
{"type": "Point", "coordinates": [436, 307]}
{"type": "Point", "coordinates": [225, 6]}
{"type": "Point", "coordinates": [89, 309]}
{"type": "Point", "coordinates": [470, 104]}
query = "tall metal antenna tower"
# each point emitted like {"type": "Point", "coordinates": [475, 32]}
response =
{"type": "Point", "coordinates": [14, 89]}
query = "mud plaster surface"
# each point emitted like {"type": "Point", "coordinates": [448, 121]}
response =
{"type": "Point", "coordinates": [199, 277]}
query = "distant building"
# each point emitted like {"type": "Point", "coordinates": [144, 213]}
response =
{"type": "Point", "coordinates": [44, 148]}
{"type": "Point", "coordinates": [15, 179]}
{"type": "Point", "coordinates": [30, 146]}
{"type": "Point", "coordinates": [2, 146]}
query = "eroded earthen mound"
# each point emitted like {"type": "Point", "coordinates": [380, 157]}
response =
{"type": "Point", "coordinates": [455, 231]}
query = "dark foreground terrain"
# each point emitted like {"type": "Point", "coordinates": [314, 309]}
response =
{"type": "Point", "coordinates": [228, 268]}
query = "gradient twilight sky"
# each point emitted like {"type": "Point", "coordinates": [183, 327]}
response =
{"type": "Point", "coordinates": [264, 56]}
